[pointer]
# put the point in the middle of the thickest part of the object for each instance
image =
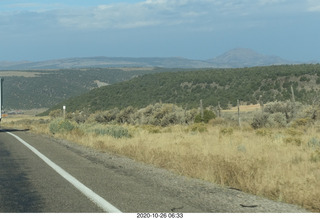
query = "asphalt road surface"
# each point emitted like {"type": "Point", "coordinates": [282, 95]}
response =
{"type": "Point", "coordinates": [43, 174]}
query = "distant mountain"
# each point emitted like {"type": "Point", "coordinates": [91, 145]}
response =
{"type": "Point", "coordinates": [241, 57]}
{"type": "Point", "coordinates": [107, 62]}
{"type": "Point", "coordinates": [236, 58]}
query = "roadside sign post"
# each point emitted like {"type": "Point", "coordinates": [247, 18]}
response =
{"type": "Point", "coordinates": [1, 97]}
{"type": "Point", "coordinates": [64, 112]}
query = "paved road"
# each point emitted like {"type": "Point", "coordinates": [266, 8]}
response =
{"type": "Point", "coordinates": [29, 184]}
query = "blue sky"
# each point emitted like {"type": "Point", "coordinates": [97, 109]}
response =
{"type": "Point", "coordinates": [38, 30]}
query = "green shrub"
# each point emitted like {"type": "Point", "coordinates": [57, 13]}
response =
{"type": "Point", "coordinates": [106, 116]}
{"type": "Point", "coordinates": [300, 122]}
{"type": "Point", "coordinates": [198, 119]}
{"type": "Point", "coordinates": [278, 107]}
{"type": "Point", "coordinates": [242, 148]}
{"type": "Point", "coordinates": [314, 143]}
{"type": "Point", "coordinates": [114, 131]}
{"type": "Point", "coordinates": [263, 132]}
{"type": "Point", "coordinates": [78, 117]}
{"type": "Point", "coordinates": [172, 119]}
{"type": "Point", "coordinates": [125, 115]}
{"type": "Point", "coordinates": [276, 120]}
{"type": "Point", "coordinates": [60, 126]}
{"type": "Point", "coordinates": [198, 127]}
{"type": "Point", "coordinates": [207, 116]}
{"type": "Point", "coordinates": [158, 114]}
{"type": "Point", "coordinates": [162, 115]}
{"type": "Point", "coordinates": [226, 131]}
{"type": "Point", "coordinates": [55, 113]}
{"type": "Point", "coordinates": [304, 78]}
{"type": "Point", "coordinates": [259, 120]}
{"type": "Point", "coordinates": [287, 108]}
{"type": "Point", "coordinates": [276, 115]}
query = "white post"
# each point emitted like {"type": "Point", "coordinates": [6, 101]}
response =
{"type": "Point", "coordinates": [64, 112]}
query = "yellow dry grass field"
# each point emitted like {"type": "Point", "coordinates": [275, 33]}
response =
{"type": "Point", "coordinates": [280, 164]}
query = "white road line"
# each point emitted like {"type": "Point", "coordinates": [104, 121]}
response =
{"type": "Point", "coordinates": [106, 206]}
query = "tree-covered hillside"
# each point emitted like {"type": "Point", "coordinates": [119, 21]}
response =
{"type": "Point", "coordinates": [211, 85]}
{"type": "Point", "coordinates": [45, 88]}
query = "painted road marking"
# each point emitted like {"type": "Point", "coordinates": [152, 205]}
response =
{"type": "Point", "coordinates": [102, 203]}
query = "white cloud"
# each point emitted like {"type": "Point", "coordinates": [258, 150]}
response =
{"type": "Point", "coordinates": [271, 2]}
{"type": "Point", "coordinates": [199, 14]}
{"type": "Point", "coordinates": [154, 13]}
{"type": "Point", "coordinates": [313, 6]}
{"type": "Point", "coordinates": [125, 15]}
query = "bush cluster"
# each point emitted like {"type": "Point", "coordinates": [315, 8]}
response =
{"type": "Point", "coordinates": [60, 125]}
{"type": "Point", "coordinates": [114, 131]}
{"type": "Point", "coordinates": [314, 143]}
{"type": "Point", "coordinates": [157, 114]}
{"type": "Point", "coordinates": [207, 116]}
{"type": "Point", "coordinates": [274, 115]}
{"type": "Point", "coordinates": [198, 127]}
{"type": "Point", "coordinates": [278, 114]}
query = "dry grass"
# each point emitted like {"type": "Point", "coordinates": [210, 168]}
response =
{"type": "Point", "coordinates": [282, 164]}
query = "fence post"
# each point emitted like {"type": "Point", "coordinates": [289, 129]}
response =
{"type": "Point", "coordinates": [293, 102]}
{"type": "Point", "coordinates": [219, 110]}
{"type": "Point", "coordinates": [261, 103]}
{"type": "Point", "coordinates": [201, 110]}
{"type": "Point", "coordinates": [238, 103]}
{"type": "Point", "coordinates": [292, 95]}
{"type": "Point", "coordinates": [185, 114]}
